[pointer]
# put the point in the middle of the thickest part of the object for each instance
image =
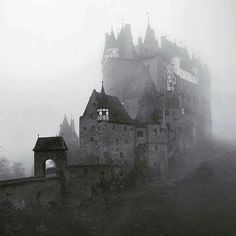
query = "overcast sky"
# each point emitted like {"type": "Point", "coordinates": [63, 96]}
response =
{"type": "Point", "coordinates": [50, 53]}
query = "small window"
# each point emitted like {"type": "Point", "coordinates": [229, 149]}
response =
{"type": "Point", "coordinates": [117, 141]}
{"type": "Point", "coordinates": [126, 141]}
{"type": "Point", "coordinates": [121, 154]}
{"type": "Point", "coordinates": [85, 128]}
{"type": "Point", "coordinates": [94, 104]}
{"type": "Point", "coordinates": [113, 127]}
{"type": "Point", "coordinates": [131, 129]}
{"type": "Point", "coordinates": [156, 147]}
{"type": "Point", "coordinates": [91, 139]}
{"type": "Point", "coordinates": [124, 128]}
{"type": "Point", "coordinates": [93, 128]}
{"type": "Point", "coordinates": [140, 133]}
{"type": "Point", "coordinates": [86, 170]}
{"type": "Point", "coordinates": [102, 114]}
{"type": "Point", "coordinates": [98, 127]}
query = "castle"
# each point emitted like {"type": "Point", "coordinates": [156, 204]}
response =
{"type": "Point", "coordinates": [155, 102]}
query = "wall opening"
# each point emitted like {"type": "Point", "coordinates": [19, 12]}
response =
{"type": "Point", "coordinates": [50, 168]}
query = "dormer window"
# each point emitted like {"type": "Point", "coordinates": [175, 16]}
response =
{"type": "Point", "coordinates": [103, 114]}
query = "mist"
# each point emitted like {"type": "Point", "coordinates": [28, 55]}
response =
{"type": "Point", "coordinates": [50, 59]}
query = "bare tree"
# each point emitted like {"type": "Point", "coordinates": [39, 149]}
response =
{"type": "Point", "coordinates": [17, 170]}
{"type": "Point", "coordinates": [5, 171]}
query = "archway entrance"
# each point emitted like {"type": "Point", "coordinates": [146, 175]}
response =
{"type": "Point", "coordinates": [50, 168]}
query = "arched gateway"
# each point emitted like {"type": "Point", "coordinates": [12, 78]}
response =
{"type": "Point", "coordinates": [50, 148]}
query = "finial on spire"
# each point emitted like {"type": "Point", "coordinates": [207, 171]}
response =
{"type": "Point", "coordinates": [102, 90]}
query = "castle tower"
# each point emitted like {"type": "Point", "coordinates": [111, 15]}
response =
{"type": "Point", "coordinates": [67, 131]}
{"type": "Point", "coordinates": [125, 42]}
{"type": "Point", "coordinates": [111, 49]}
{"type": "Point", "coordinates": [150, 46]}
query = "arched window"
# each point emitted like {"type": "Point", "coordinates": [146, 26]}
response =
{"type": "Point", "coordinates": [50, 168]}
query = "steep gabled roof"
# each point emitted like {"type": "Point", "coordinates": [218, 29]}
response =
{"type": "Point", "coordinates": [50, 144]}
{"type": "Point", "coordinates": [117, 113]}
{"type": "Point", "coordinates": [150, 35]}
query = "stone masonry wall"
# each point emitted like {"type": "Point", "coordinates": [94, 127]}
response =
{"type": "Point", "coordinates": [26, 192]}
{"type": "Point", "coordinates": [106, 140]}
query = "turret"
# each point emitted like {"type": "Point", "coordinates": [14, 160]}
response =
{"type": "Point", "coordinates": [67, 131]}
{"type": "Point", "coordinates": [111, 47]}
{"type": "Point", "coordinates": [72, 125]}
{"type": "Point", "coordinates": [150, 45]}
{"type": "Point", "coordinates": [125, 42]}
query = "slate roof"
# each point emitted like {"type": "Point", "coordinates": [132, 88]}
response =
{"type": "Point", "coordinates": [50, 144]}
{"type": "Point", "coordinates": [117, 113]}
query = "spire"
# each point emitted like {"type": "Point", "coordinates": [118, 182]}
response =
{"type": "Point", "coordinates": [65, 121]}
{"type": "Point", "coordinates": [72, 124]}
{"type": "Point", "coordinates": [64, 126]}
{"type": "Point", "coordinates": [150, 35]}
{"type": "Point", "coordinates": [102, 89]}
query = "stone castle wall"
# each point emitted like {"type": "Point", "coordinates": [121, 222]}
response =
{"type": "Point", "coordinates": [106, 140]}
{"type": "Point", "coordinates": [22, 193]}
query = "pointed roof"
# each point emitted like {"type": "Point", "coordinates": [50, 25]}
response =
{"type": "Point", "coordinates": [66, 128]}
{"type": "Point", "coordinates": [117, 113]}
{"type": "Point", "coordinates": [72, 124]}
{"type": "Point", "coordinates": [150, 35]}
{"type": "Point", "coordinates": [65, 122]}
{"type": "Point", "coordinates": [110, 41]}
{"type": "Point", "coordinates": [102, 89]}
{"type": "Point", "coordinates": [50, 144]}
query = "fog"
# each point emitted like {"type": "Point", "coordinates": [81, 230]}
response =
{"type": "Point", "coordinates": [50, 54]}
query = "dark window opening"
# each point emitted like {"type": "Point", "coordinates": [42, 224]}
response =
{"type": "Point", "coordinates": [125, 128]}
{"type": "Point", "coordinates": [84, 128]}
{"type": "Point", "coordinates": [121, 154]}
{"type": "Point", "coordinates": [113, 127]}
{"type": "Point", "coordinates": [91, 139]}
{"type": "Point", "coordinates": [140, 133]}
{"type": "Point", "coordinates": [117, 141]}
{"type": "Point", "coordinates": [93, 128]}
{"type": "Point", "coordinates": [126, 141]}
{"type": "Point", "coordinates": [86, 170]}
